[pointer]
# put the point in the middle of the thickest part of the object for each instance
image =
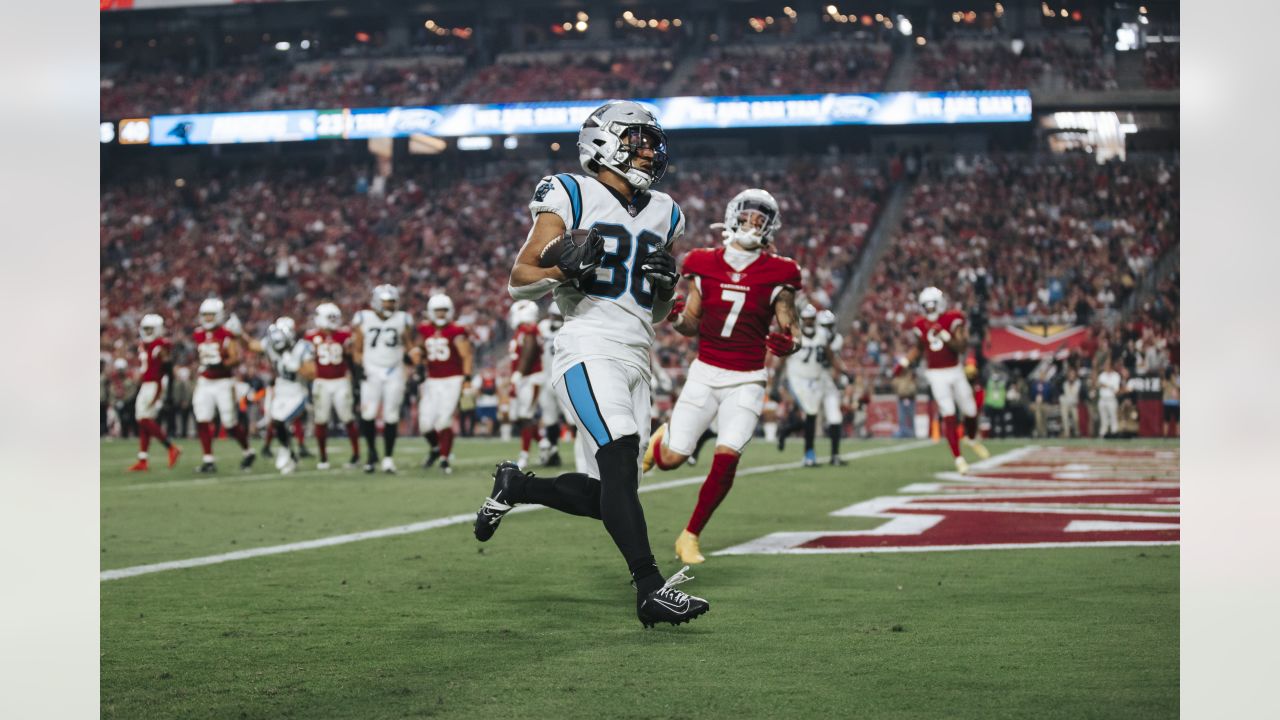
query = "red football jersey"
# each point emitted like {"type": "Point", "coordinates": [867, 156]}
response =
{"type": "Point", "coordinates": [331, 352]}
{"type": "Point", "coordinates": [210, 349]}
{"type": "Point", "coordinates": [517, 342]}
{"type": "Point", "coordinates": [440, 344]}
{"type": "Point", "coordinates": [149, 355]}
{"type": "Point", "coordinates": [737, 305]}
{"type": "Point", "coordinates": [936, 352]}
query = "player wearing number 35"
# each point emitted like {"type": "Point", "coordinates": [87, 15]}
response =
{"type": "Point", "coordinates": [602, 242]}
{"type": "Point", "coordinates": [735, 291]}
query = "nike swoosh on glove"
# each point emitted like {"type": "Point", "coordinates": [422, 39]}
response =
{"type": "Point", "coordinates": [660, 268]}
{"type": "Point", "coordinates": [781, 344]}
{"type": "Point", "coordinates": [580, 261]}
{"type": "Point", "coordinates": [676, 309]}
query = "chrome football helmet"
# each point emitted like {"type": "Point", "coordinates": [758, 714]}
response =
{"type": "Point", "coordinates": [151, 327]}
{"type": "Point", "coordinates": [932, 302]}
{"type": "Point", "coordinates": [436, 304]}
{"type": "Point", "coordinates": [328, 316]}
{"type": "Point", "coordinates": [385, 295]}
{"type": "Point", "coordinates": [211, 313]}
{"type": "Point", "coordinates": [751, 218]}
{"type": "Point", "coordinates": [281, 334]}
{"type": "Point", "coordinates": [612, 136]}
{"type": "Point", "coordinates": [826, 318]}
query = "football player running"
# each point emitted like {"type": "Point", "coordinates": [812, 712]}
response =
{"type": "Point", "coordinates": [331, 390]}
{"type": "Point", "coordinates": [814, 377]}
{"type": "Point", "coordinates": [527, 373]}
{"type": "Point", "coordinates": [612, 284]}
{"type": "Point", "coordinates": [448, 357]}
{"type": "Point", "coordinates": [735, 292]}
{"type": "Point", "coordinates": [378, 347]}
{"type": "Point", "coordinates": [549, 409]}
{"type": "Point", "coordinates": [940, 335]}
{"type": "Point", "coordinates": [218, 351]}
{"type": "Point", "coordinates": [154, 352]}
{"type": "Point", "coordinates": [294, 364]}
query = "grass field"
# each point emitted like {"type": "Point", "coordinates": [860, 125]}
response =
{"type": "Point", "coordinates": [540, 621]}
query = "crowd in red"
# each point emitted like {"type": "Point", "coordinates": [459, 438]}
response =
{"type": "Point", "coordinates": [993, 65]}
{"type": "Point", "coordinates": [790, 69]}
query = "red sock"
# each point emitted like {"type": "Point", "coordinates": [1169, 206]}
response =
{"type": "Point", "coordinates": [353, 435]}
{"type": "Point", "coordinates": [971, 427]}
{"type": "Point", "coordinates": [154, 431]}
{"type": "Point", "coordinates": [657, 456]}
{"type": "Point", "coordinates": [144, 435]}
{"type": "Point", "coordinates": [949, 432]}
{"type": "Point", "coordinates": [714, 489]}
{"type": "Point", "coordinates": [240, 435]}
{"type": "Point", "coordinates": [446, 442]}
{"type": "Point", "coordinates": [526, 436]}
{"type": "Point", "coordinates": [205, 430]}
{"type": "Point", "coordinates": [322, 434]}
{"type": "Point", "coordinates": [299, 432]}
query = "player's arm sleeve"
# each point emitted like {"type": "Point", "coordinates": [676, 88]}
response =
{"type": "Point", "coordinates": [559, 194]}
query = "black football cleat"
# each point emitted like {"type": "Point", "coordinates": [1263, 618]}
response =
{"type": "Point", "coordinates": [370, 468]}
{"type": "Point", "coordinates": [553, 459]}
{"type": "Point", "coordinates": [207, 468]}
{"type": "Point", "coordinates": [666, 604]}
{"type": "Point", "coordinates": [303, 452]}
{"type": "Point", "coordinates": [246, 462]}
{"type": "Point", "coordinates": [498, 504]}
{"type": "Point", "coordinates": [838, 461]}
{"type": "Point", "coordinates": [432, 457]}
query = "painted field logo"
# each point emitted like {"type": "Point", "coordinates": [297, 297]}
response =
{"type": "Point", "coordinates": [1030, 498]}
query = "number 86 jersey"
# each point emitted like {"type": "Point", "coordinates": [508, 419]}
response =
{"type": "Point", "coordinates": [737, 305]}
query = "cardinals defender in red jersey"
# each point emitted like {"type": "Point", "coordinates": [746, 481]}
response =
{"type": "Point", "coordinates": [735, 293]}
{"type": "Point", "coordinates": [526, 373]}
{"type": "Point", "coordinates": [447, 354]}
{"type": "Point", "coordinates": [219, 353]}
{"type": "Point", "coordinates": [940, 335]}
{"type": "Point", "coordinates": [331, 390]}
{"type": "Point", "coordinates": [154, 353]}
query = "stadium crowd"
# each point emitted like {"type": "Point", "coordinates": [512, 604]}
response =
{"type": "Point", "coordinates": [787, 69]}
{"type": "Point", "coordinates": [993, 65]}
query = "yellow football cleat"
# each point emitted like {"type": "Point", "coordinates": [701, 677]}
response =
{"type": "Point", "coordinates": [654, 441]}
{"type": "Point", "coordinates": [978, 448]}
{"type": "Point", "coordinates": [962, 466]}
{"type": "Point", "coordinates": [687, 549]}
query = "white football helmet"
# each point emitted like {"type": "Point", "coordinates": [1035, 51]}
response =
{"type": "Point", "coordinates": [328, 316]}
{"type": "Point", "coordinates": [282, 334]}
{"type": "Point", "coordinates": [523, 312]}
{"type": "Point", "coordinates": [751, 218]}
{"type": "Point", "coordinates": [435, 305]}
{"type": "Point", "coordinates": [151, 327]}
{"type": "Point", "coordinates": [932, 302]}
{"type": "Point", "coordinates": [826, 318]}
{"type": "Point", "coordinates": [808, 320]}
{"type": "Point", "coordinates": [555, 315]}
{"type": "Point", "coordinates": [384, 294]}
{"type": "Point", "coordinates": [211, 313]}
{"type": "Point", "coordinates": [613, 134]}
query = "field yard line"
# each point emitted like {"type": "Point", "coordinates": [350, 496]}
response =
{"type": "Point", "coordinates": [446, 521]}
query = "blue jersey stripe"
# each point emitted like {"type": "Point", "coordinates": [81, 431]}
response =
{"type": "Point", "coordinates": [584, 404]}
{"type": "Point", "coordinates": [575, 196]}
{"type": "Point", "coordinates": [675, 221]}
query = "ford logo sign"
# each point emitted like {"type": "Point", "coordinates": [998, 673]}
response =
{"type": "Point", "coordinates": [413, 120]}
{"type": "Point", "coordinates": [852, 106]}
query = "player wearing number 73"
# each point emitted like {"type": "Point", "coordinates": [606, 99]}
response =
{"type": "Point", "coordinates": [378, 348]}
{"type": "Point", "coordinates": [735, 291]}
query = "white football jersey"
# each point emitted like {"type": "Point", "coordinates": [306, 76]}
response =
{"type": "Point", "coordinates": [548, 338]}
{"type": "Point", "coordinates": [384, 338]}
{"type": "Point", "coordinates": [813, 359]}
{"type": "Point", "coordinates": [612, 316]}
{"type": "Point", "coordinates": [286, 364]}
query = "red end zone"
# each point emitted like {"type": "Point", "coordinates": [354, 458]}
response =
{"type": "Point", "coordinates": [1074, 497]}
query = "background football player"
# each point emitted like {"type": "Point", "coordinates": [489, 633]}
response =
{"type": "Point", "coordinates": [813, 377]}
{"type": "Point", "coordinates": [218, 351]}
{"type": "Point", "coordinates": [331, 391]}
{"type": "Point", "coordinates": [154, 352]}
{"type": "Point", "coordinates": [448, 356]}
{"type": "Point", "coordinates": [734, 293]}
{"type": "Point", "coordinates": [378, 345]}
{"type": "Point", "coordinates": [940, 335]}
{"type": "Point", "coordinates": [293, 361]}
{"type": "Point", "coordinates": [612, 282]}
{"type": "Point", "coordinates": [526, 373]}
{"type": "Point", "coordinates": [549, 410]}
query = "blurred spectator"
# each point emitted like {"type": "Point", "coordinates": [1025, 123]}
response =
{"type": "Point", "coordinates": [1069, 404]}
{"type": "Point", "coordinates": [754, 69]}
{"type": "Point", "coordinates": [1108, 385]}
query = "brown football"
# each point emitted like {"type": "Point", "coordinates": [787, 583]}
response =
{"type": "Point", "coordinates": [550, 255]}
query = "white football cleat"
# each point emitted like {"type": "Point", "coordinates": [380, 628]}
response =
{"type": "Point", "coordinates": [523, 461]}
{"type": "Point", "coordinates": [388, 465]}
{"type": "Point", "coordinates": [322, 466]}
{"type": "Point", "coordinates": [285, 462]}
{"type": "Point", "coordinates": [962, 466]}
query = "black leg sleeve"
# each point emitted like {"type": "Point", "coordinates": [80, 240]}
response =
{"type": "Point", "coordinates": [282, 433]}
{"type": "Point", "coordinates": [833, 432]}
{"type": "Point", "coordinates": [389, 437]}
{"type": "Point", "coordinates": [810, 429]}
{"type": "Point", "coordinates": [370, 432]}
{"type": "Point", "coordinates": [620, 503]}
{"type": "Point", "coordinates": [573, 493]}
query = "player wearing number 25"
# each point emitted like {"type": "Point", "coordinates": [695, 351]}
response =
{"type": "Point", "coordinates": [735, 291]}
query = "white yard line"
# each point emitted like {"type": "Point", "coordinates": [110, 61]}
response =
{"type": "Point", "coordinates": [450, 520]}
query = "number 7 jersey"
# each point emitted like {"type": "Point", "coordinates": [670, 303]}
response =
{"type": "Point", "coordinates": [611, 315]}
{"type": "Point", "coordinates": [737, 305]}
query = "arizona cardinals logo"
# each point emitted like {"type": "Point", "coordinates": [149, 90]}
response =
{"type": "Point", "coordinates": [736, 277]}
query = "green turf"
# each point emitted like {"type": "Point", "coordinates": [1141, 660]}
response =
{"type": "Point", "coordinates": [540, 622]}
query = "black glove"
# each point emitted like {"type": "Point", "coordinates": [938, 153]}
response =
{"type": "Point", "coordinates": [660, 268]}
{"type": "Point", "coordinates": [579, 261]}
{"type": "Point", "coordinates": [419, 375]}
